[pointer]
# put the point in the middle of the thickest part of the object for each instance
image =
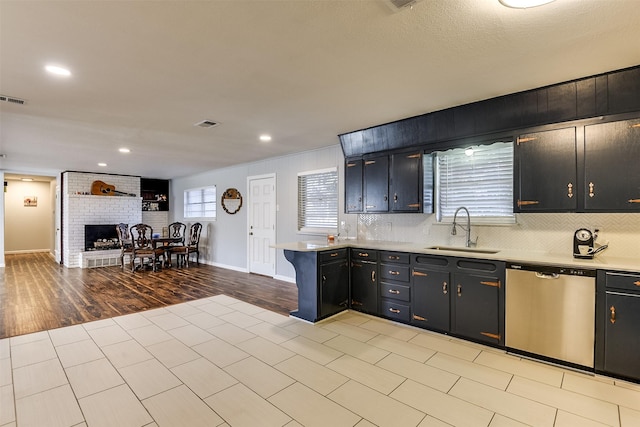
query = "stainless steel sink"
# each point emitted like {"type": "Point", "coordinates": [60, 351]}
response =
{"type": "Point", "coordinates": [461, 249]}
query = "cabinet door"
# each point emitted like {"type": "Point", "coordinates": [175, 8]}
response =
{"type": "Point", "coordinates": [376, 184]}
{"type": "Point", "coordinates": [546, 163]}
{"type": "Point", "coordinates": [364, 286]}
{"type": "Point", "coordinates": [334, 287]}
{"type": "Point", "coordinates": [476, 302]}
{"type": "Point", "coordinates": [406, 182]}
{"type": "Point", "coordinates": [622, 335]}
{"type": "Point", "coordinates": [353, 186]}
{"type": "Point", "coordinates": [430, 299]}
{"type": "Point", "coordinates": [612, 176]}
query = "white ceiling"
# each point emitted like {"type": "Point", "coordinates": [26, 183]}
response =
{"type": "Point", "coordinates": [303, 71]}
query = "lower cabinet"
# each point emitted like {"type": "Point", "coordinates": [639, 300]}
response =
{"type": "Point", "coordinates": [395, 291]}
{"type": "Point", "coordinates": [618, 324]}
{"type": "Point", "coordinates": [364, 280]}
{"type": "Point", "coordinates": [430, 284]}
{"type": "Point", "coordinates": [464, 297]}
{"type": "Point", "coordinates": [334, 282]}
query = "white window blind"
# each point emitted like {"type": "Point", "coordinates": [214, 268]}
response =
{"type": "Point", "coordinates": [318, 201]}
{"type": "Point", "coordinates": [479, 178]}
{"type": "Point", "coordinates": [200, 203]}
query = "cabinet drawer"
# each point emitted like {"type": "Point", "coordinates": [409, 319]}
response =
{"type": "Point", "coordinates": [395, 257]}
{"type": "Point", "coordinates": [397, 292]}
{"type": "Point", "coordinates": [394, 310]}
{"type": "Point", "coordinates": [328, 256]}
{"type": "Point", "coordinates": [398, 273]}
{"type": "Point", "coordinates": [630, 282]}
{"type": "Point", "coordinates": [364, 255]}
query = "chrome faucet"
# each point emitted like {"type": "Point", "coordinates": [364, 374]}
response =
{"type": "Point", "coordinates": [468, 242]}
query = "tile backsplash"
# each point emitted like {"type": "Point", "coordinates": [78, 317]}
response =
{"type": "Point", "coordinates": [548, 232]}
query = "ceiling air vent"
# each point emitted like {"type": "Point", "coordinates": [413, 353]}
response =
{"type": "Point", "coordinates": [11, 100]}
{"type": "Point", "coordinates": [206, 124]}
{"type": "Point", "coordinates": [398, 5]}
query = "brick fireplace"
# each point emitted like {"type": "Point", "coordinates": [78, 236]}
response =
{"type": "Point", "coordinates": [80, 208]}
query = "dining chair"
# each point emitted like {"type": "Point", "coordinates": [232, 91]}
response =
{"type": "Point", "coordinates": [124, 240]}
{"type": "Point", "coordinates": [177, 231]}
{"type": "Point", "coordinates": [143, 247]}
{"type": "Point", "coordinates": [191, 246]}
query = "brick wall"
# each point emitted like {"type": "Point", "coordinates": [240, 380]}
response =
{"type": "Point", "coordinates": [81, 209]}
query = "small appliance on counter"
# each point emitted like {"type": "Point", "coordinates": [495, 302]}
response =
{"type": "Point", "coordinates": [584, 244]}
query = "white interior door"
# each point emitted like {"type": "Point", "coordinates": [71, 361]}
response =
{"type": "Point", "coordinates": [262, 225]}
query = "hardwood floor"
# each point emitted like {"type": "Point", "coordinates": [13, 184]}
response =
{"type": "Point", "coordinates": [36, 293]}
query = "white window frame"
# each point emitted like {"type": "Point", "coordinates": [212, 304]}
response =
{"type": "Point", "coordinates": [202, 203]}
{"type": "Point", "coordinates": [482, 162]}
{"type": "Point", "coordinates": [333, 226]}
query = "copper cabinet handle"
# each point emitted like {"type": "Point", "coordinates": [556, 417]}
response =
{"type": "Point", "coordinates": [612, 318]}
{"type": "Point", "coordinates": [393, 257]}
{"type": "Point", "coordinates": [333, 254]}
{"type": "Point", "coordinates": [527, 202]}
{"type": "Point", "coordinates": [395, 197]}
{"type": "Point", "coordinates": [394, 272]}
{"type": "Point", "coordinates": [445, 289]}
{"type": "Point", "coordinates": [419, 273]}
{"type": "Point", "coordinates": [634, 200]}
{"type": "Point", "coordinates": [591, 192]}
{"type": "Point", "coordinates": [363, 255]}
{"type": "Point", "coordinates": [459, 290]}
{"type": "Point", "coordinates": [637, 283]}
{"type": "Point", "coordinates": [394, 291]}
{"type": "Point", "coordinates": [569, 190]}
{"type": "Point", "coordinates": [394, 310]}
{"type": "Point", "coordinates": [324, 279]}
{"type": "Point", "coordinates": [369, 162]}
{"type": "Point", "coordinates": [373, 276]}
{"type": "Point", "coordinates": [416, 317]}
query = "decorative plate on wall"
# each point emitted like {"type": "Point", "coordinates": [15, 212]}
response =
{"type": "Point", "coordinates": [231, 200]}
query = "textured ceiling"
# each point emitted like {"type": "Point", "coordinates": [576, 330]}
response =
{"type": "Point", "coordinates": [303, 71]}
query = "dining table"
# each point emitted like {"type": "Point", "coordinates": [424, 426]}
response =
{"type": "Point", "coordinates": [165, 243]}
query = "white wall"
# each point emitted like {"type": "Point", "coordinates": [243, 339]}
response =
{"type": "Point", "coordinates": [224, 241]}
{"type": "Point", "coordinates": [28, 228]}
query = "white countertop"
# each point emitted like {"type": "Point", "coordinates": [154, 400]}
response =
{"type": "Point", "coordinates": [601, 261]}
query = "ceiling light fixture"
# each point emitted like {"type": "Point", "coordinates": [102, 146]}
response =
{"type": "Point", "coordinates": [265, 138]}
{"type": "Point", "coordinates": [58, 71]}
{"type": "Point", "coordinates": [26, 179]}
{"type": "Point", "coordinates": [524, 4]}
{"type": "Point", "coordinates": [124, 150]}
{"type": "Point", "coordinates": [102, 165]}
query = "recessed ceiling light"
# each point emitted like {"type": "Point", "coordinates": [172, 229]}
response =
{"type": "Point", "coordinates": [59, 71]}
{"type": "Point", "coordinates": [26, 179]}
{"type": "Point", "coordinates": [124, 150]}
{"type": "Point", "coordinates": [102, 165]}
{"type": "Point", "coordinates": [524, 4]}
{"type": "Point", "coordinates": [265, 138]}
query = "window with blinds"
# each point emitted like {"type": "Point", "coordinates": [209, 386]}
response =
{"type": "Point", "coordinates": [200, 203]}
{"type": "Point", "coordinates": [479, 178]}
{"type": "Point", "coordinates": [318, 201]}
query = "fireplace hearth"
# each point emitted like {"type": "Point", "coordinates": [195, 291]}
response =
{"type": "Point", "coordinates": [100, 237]}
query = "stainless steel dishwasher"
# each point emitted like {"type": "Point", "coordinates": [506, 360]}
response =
{"type": "Point", "coordinates": [550, 311]}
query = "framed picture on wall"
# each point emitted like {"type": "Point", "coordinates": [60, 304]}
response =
{"type": "Point", "coordinates": [30, 201]}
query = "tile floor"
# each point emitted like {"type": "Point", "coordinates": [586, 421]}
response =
{"type": "Point", "coordinates": [222, 362]}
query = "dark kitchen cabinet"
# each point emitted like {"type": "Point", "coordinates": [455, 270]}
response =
{"type": "Point", "coordinates": [322, 279]}
{"type": "Point", "coordinates": [364, 280]}
{"type": "Point", "coordinates": [155, 194]}
{"type": "Point", "coordinates": [395, 291]}
{"type": "Point", "coordinates": [353, 186]}
{"type": "Point", "coordinates": [476, 307]}
{"type": "Point", "coordinates": [546, 171]}
{"type": "Point", "coordinates": [612, 176]}
{"type": "Point", "coordinates": [618, 324]}
{"type": "Point", "coordinates": [406, 182]}
{"type": "Point", "coordinates": [430, 293]}
{"type": "Point", "coordinates": [333, 282]}
{"type": "Point", "coordinates": [376, 184]}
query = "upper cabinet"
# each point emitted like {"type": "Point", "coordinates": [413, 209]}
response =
{"type": "Point", "coordinates": [387, 183]}
{"type": "Point", "coordinates": [612, 176]}
{"type": "Point", "coordinates": [155, 194]}
{"type": "Point", "coordinates": [546, 171]}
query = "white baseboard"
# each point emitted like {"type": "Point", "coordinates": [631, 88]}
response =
{"type": "Point", "coordinates": [27, 251]}
{"type": "Point", "coordinates": [228, 267]}
{"type": "Point", "coordinates": [285, 278]}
